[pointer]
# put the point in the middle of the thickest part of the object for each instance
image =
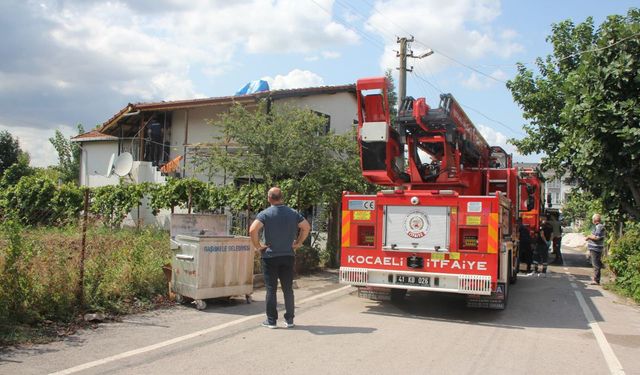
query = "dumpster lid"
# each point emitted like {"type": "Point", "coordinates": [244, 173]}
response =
{"type": "Point", "coordinates": [196, 237]}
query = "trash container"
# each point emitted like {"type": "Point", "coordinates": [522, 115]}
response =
{"type": "Point", "coordinates": [211, 266]}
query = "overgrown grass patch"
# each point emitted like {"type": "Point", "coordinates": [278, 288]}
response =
{"type": "Point", "coordinates": [40, 268]}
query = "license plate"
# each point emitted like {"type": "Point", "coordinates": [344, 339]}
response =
{"type": "Point", "coordinates": [413, 280]}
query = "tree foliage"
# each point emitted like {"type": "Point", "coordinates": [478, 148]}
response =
{"type": "Point", "coordinates": [69, 154]}
{"type": "Point", "coordinates": [112, 203]}
{"type": "Point", "coordinates": [36, 199]}
{"type": "Point", "coordinates": [16, 171]}
{"type": "Point", "coordinates": [287, 146]}
{"type": "Point", "coordinates": [9, 151]}
{"type": "Point", "coordinates": [583, 105]}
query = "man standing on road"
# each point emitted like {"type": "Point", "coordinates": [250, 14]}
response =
{"type": "Point", "coordinates": [595, 244]}
{"type": "Point", "coordinates": [541, 252]}
{"type": "Point", "coordinates": [282, 238]}
{"type": "Point", "coordinates": [556, 238]}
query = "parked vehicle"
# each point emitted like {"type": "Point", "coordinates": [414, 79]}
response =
{"type": "Point", "coordinates": [446, 221]}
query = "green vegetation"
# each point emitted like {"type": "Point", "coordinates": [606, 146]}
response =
{"type": "Point", "coordinates": [583, 108]}
{"type": "Point", "coordinates": [580, 207]}
{"type": "Point", "coordinates": [624, 261]}
{"type": "Point", "coordinates": [69, 155]}
{"type": "Point", "coordinates": [39, 275]}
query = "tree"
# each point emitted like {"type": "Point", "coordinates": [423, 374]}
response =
{"type": "Point", "coordinates": [16, 171]}
{"type": "Point", "coordinates": [283, 143]}
{"type": "Point", "coordinates": [9, 150]}
{"type": "Point", "coordinates": [584, 108]}
{"type": "Point", "coordinates": [289, 147]}
{"type": "Point", "coordinates": [393, 96]}
{"type": "Point", "coordinates": [69, 154]}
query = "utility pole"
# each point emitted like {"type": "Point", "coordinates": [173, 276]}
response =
{"type": "Point", "coordinates": [402, 80]}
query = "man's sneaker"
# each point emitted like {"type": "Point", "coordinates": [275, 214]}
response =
{"type": "Point", "coordinates": [289, 324]}
{"type": "Point", "coordinates": [269, 325]}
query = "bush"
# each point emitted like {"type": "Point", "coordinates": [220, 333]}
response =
{"type": "Point", "coordinates": [112, 203]}
{"type": "Point", "coordinates": [37, 200]}
{"type": "Point", "coordinates": [624, 261]}
{"type": "Point", "coordinates": [307, 259]}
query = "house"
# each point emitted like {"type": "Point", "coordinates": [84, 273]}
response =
{"type": "Point", "coordinates": [159, 132]}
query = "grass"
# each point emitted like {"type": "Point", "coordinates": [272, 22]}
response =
{"type": "Point", "coordinates": [39, 277]}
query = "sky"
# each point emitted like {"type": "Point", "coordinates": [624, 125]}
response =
{"type": "Point", "coordinates": [70, 62]}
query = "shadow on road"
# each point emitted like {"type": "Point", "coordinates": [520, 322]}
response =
{"type": "Point", "coordinates": [334, 330]}
{"type": "Point", "coordinates": [540, 302]}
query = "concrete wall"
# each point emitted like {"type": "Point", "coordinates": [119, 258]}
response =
{"type": "Point", "coordinates": [199, 131]}
{"type": "Point", "coordinates": [342, 107]}
{"type": "Point", "coordinates": [94, 163]}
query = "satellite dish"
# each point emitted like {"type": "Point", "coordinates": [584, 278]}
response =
{"type": "Point", "coordinates": [110, 165]}
{"type": "Point", "coordinates": [123, 164]}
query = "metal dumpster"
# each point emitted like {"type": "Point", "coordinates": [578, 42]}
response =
{"type": "Point", "coordinates": [211, 266]}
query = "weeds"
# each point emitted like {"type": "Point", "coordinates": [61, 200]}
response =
{"type": "Point", "coordinates": [39, 275]}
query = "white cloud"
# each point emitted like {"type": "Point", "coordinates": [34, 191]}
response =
{"type": "Point", "coordinates": [36, 142]}
{"type": "Point", "coordinates": [328, 55]}
{"type": "Point", "coordinates": [496, 138]}
{"type": "Point", "coordinates": [461, 29]}
{"type": "Point", "coordinates": [82, 60]}
{"type": "Point", "coordinates": [294, 79]}
{"type": "Point", "coordinates": [479, 82]}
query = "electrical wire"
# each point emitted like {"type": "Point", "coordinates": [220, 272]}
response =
{"type": "Point", "coordinates": [345, 24]}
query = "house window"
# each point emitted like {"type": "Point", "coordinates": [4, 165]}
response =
{"type": "Point", "coordinates": [327, 124]}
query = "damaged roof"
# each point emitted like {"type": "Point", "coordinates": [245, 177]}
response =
{"type": "Point", "coordinates": [223, 100]}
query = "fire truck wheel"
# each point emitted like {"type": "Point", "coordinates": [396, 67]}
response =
{"type": "Point", "coordinates": [397, 295]}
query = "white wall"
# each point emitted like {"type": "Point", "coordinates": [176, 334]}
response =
{"type": "Point", "coordinates": [342, 107]}
{"type": "Point", "coordinates": [199, 131]}
{"type": "Point", "coordinates": [94, 163]}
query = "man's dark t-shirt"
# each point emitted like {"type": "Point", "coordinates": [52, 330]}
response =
{"type": "Point", "coordinates": [280, 230]}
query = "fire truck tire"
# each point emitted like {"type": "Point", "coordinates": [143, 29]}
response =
{"type": "Point", "coordinates": [397, 295]}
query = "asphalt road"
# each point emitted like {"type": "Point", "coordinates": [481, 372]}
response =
{"type": "Point", "coordinates": [553, 325]}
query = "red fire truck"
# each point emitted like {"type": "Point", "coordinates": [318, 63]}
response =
{"type": "Point", "coordinates": [446, 218]}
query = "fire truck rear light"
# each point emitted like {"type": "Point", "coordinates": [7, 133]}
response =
{"type": "Point", "coordinates": [353, 276]}
{"type": "Point", "coordinates": [474, 283]}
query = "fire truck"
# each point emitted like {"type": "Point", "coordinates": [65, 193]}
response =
{"type": "Point", "coordinates": [445, 217]}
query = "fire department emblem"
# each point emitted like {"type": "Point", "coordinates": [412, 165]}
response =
{"type": "Point", "coordinates": [417, 224]}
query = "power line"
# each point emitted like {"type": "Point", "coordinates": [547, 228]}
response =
{"type": "Point", "coordinates": [505, 126]}
{"type": "Point", "coordinates": [345, 24]}
{"type": "Point", "coordinates": [599, 48]}
{"type": "Point", "coordinates": [465, 65]}
{"type": "Point", "coordinates": [438, 90]}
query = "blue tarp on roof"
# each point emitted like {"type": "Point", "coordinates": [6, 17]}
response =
{"type": "Point", "coordinates": [253, 87]}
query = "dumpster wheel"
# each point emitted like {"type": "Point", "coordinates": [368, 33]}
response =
{"type": "Point", "coordinates": [248, 298]}
{"type": "Point", "coordinates": [179, 299]}
{"type": "Point", "coordinates": [200, 304]}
